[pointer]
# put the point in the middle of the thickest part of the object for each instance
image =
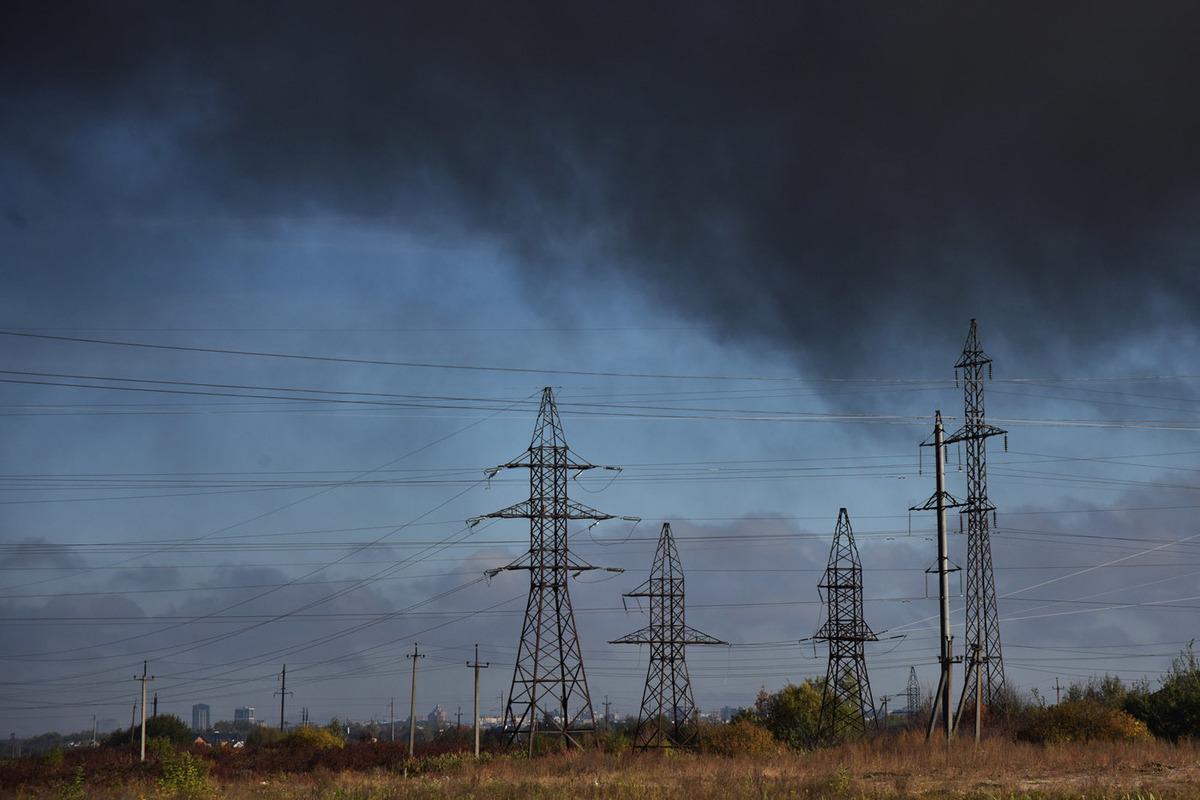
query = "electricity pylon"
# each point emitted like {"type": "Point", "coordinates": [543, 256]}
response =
{"type": "Point", "coordinates": [668, 714]}
{"type": "Point", "coordinates": [846, 699]}
{"type": "Point", "coordinates": [549, 693]}
{"type": "Point", "coordinates": [982, 615]}
{"type": "Point", "coordinates": [912, 694]}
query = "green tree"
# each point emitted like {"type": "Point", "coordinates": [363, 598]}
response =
{"type": "Point", "coordinates": [791, 714]}
{"type": "Point", "coordinates": [164, 726]}
{"type": "Point", "coordinates": [1173, 711]}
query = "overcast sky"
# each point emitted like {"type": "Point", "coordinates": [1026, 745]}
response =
{"type": "Point", "coordinates": [743, 243]}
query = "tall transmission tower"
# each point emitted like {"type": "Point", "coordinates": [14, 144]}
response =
{"type": "Point", "coordinates": [668, 714]}
{"type": "Point", "coordinates": [912, 693]}
{"type": "Point", "coordinates": [549, 693]}
{"type": "Point", "coordinates": [983, 621]}
{"type": "Point", "coordinates": [846, 699]}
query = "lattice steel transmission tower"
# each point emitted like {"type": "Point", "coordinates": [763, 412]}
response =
{"type": "Point", "coordinates": [913, 693]}
{"type": "Point", "coordinates": [982, 615]}
{"type": "Point", "coordinates": [668, 714]}
{"type": "Point", "coordinates": [549, 693]}
{"type": "Point", "coordinates": [846, 698]}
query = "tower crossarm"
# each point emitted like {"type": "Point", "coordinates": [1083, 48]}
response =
{"type": "Point", "coordinates": [948, 501]}
{"type": "Point", "coordinates": [975, 430]}
{"type": "Point", "coordinates": [526, 509]}
{"type": "Point", "coordinates": [532, 461]}
{"type": "Point", "coordinates": [651, 634]}
{"type": "Point", "coordinates": [571, 510]}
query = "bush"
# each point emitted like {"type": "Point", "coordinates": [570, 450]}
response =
{"type": "Point", "coordinates": [74, 788]}
{"type": "Point", "coordinates": [616, 742]}
{"type": "Point", "coordinates": [184, 775]}
{"type": "Point", "coordinates": [1172, 712]}
{"type": "Point", "coordinates": [262, 736]}
{"type": "Point", "coordinates": [791, 714]}
{"type": "Point", "coordinates": [164, 726]}
{"type": "Point", "coordinates": [1082, 721]}
{"type": "Point", "coordinates": [740, 738]}
{"type": "Point", "coordinates": [318, 738]}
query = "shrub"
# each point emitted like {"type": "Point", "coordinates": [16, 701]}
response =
{"type": "Point", "coordinates": [740, 738]}
{"type": "Point", "coordinates": [184, 775]}
{"type": "Point", "coordinates": [262, 736]}
{"type": "Point", "coordinates": [617, 742]}
{"type": "Point", "coordinates": [74, 788]}
{"type": "Point", "coordinates": [53, 757]}
{"type": "Point", "coordinates": [159, 747]}
{"type": "Point", "coordinates": [318, 738]}
{"type": "Point", "coordinates": [791, 714]}
{"type": "Point", "coordinates": [1172, 712]}
{"type": "Point", "coordinates": [164, 726]}
{"type": "Point", "coordinates": [1082, 721]}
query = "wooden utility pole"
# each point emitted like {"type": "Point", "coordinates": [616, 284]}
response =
{"type": "Point", "coordinates": [154, 706]}
{"type": "Point", "coordinates": [477, 666]}
{"type": "Point", "coordinates": [392, 716]}
{"type": "Point", "coordinates": [606, 716]}
{"type": "Point", "coordinates": [1057, 692]}
{"type": "Point", "coordinates": [412, 702]}
{"type": "Point", "coordinates": [144, 678]}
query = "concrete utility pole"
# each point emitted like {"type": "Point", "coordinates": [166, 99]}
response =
{"type": "Point", "coordinates": [1057, 692]}
{"type": "Point", "coordinates": [881, 721]}
{"type": "Point", "coordinates": [941, 501]}
{"type": "Point", "coordinates": [412, 703]}
{"type": "Point", "coordinates": [144, 678]}
{"type": "Point", "coordinates": [154, 706]}
{"type": "Point", "coordinates": [392, 716]}
{"type": "Point", "coordinates": [132, 723]}
{"type": "Point", "coordinates": [283, 693]}
{"type": "Point", "coordinates": [477, 666]}
{"type": "Point", "coordinates": [606, 715]}
{"type": "Point", "coordinates": [93, 730]}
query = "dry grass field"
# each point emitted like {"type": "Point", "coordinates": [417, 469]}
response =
{"type": "Point", "coordinates": [901, 767]}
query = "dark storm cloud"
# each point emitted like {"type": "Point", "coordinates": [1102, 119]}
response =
{"type": "Point", "coordinates": [840, 178]}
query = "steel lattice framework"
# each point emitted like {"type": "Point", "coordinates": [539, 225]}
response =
{"type": "Point", "coordinates": [668, 713]}
{"type": "Point", "coordinates": [846, 699]}
{"type": "Point", "coordinates": [982, 614]}
{"type": "Point", "coordinates": [549, 694]}
{"type": "Point", "coordinates": [913, 693]}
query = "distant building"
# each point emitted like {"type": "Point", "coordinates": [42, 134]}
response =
{"type": "Point", "coordinates": [438, 716]}
{"type": "Point", "coordinates": [727, 712]}
{"type": "Point", "coordinates": [201, 720]}
{"type": "Point", "coordinates": [244, 715]}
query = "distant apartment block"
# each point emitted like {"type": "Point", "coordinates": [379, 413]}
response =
{"type": "Point", "coordinates": [201, 720]}
{"type": "Point", "coordinates": [245, 714]}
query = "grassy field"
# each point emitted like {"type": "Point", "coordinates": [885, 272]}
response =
{"type": "Point", "coordinates": [901, 767]}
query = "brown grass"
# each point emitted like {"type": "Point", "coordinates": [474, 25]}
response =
{"type": "Point", "coordinates": [901, 767]}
